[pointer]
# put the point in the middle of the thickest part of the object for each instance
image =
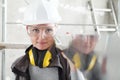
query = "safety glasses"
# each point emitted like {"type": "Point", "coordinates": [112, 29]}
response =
{"type": "Point", "coordinates": [43, 30]}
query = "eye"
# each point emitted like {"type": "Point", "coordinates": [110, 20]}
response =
{"type": "Point", "coordinates": [93, 37]}
{"type": "Point", "coordinates": [49, 30]}
{"type": "Point", "coordinates": [81, 36]}
{"type": "Point", "coordinates": [35, 30]}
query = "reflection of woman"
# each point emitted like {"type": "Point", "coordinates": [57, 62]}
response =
{"type": "Point", "coordinates": [42, 60]}
{"type": "Point", "coordinates": [81, 52]}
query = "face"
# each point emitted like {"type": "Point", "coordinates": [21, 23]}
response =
{"type": "Point", "coordinates": [85, 43]}
{"type": "Point", "coordinates": [41, 35]}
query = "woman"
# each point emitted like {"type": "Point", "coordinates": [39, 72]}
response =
{"type": "Point", "coordinates": [81, 53]}
{"type": "Point", "coordinates": [42, 60]}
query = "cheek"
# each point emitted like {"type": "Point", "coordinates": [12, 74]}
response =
{"type": "Point", "coordinates": [93, 46]}
{"type": "Point", "coordinates": [33, 40]}
{"type": "Point", "coordinates": [50, 41]}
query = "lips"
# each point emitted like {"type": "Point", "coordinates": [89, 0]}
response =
{"type": "Point", "coordinates": [42, 43]}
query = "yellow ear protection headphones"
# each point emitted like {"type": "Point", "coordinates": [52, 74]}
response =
{"type": "Point", "coordinates": [46, 60]}
{"type": "Point", "coordinates": [76, 59]}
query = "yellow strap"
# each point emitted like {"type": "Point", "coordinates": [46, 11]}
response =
{"type": "Point", "coordinates": [47, 58]}
{"type": "Point", "coordinates": [92, 63]}
{"type": "Point", "coordinates": [76, 60]}
{"type": "Point", "coordinates": [31, 58]}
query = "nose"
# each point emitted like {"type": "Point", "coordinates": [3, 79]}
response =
{"type": "Point", "coordinates": [86, 40]}
{"type": "Point", "coordinates": [42, 35]}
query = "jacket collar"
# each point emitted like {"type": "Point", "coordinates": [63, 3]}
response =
{"type": "Point", "coordinates": [22, 64]}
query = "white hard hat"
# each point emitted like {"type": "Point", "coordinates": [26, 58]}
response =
{"type": "Point", "coordinates": [41, 12]}
{"type": "Point", "coordinates": [84, 30]}
{"type": "Point", "coordinates": [87, 30]}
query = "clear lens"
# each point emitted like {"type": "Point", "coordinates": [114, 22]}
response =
{"type": "Point", "coordinates": [88, 37]}
{"type": "Point", "coordinates": [36, 31]}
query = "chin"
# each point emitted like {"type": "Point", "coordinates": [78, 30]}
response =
{"type": "Point", "coordinates": [87, 52]}
{"type": "Point", "coordinates": [41, 48]}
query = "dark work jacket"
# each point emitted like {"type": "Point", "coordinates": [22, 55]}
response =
{"type": "Point", "coordinates": [21, 65]}
{"type": "Point", "coordinates": [94, 73]}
